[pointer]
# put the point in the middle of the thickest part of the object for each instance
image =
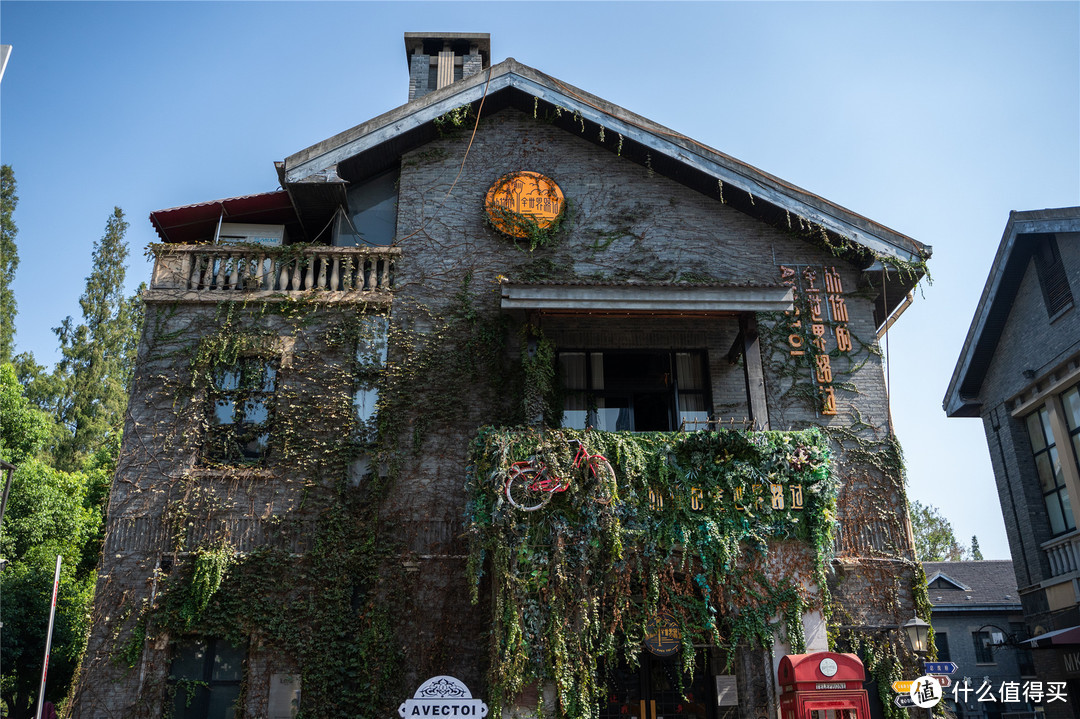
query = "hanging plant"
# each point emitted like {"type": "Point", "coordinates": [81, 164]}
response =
{"type": "Point", "coordinates": [719, 529]}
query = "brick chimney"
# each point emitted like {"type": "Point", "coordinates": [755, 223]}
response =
{"type": "Point", "coordinates": [437, 59]}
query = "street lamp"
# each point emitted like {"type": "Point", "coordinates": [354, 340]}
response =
{"type": "Point", "coordinates": [918, 635]}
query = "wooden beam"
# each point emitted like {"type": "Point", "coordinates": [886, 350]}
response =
{"type": "Point", "coordinates": [755, 378]}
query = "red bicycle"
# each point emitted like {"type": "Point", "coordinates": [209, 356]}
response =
{"type": "Point", "coordinates": [531, 484]}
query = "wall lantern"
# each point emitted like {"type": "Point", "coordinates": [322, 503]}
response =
{"type": "Point", "coordinates": [918, 635]}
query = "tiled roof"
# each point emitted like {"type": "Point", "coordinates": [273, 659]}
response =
{"type": "Point", "coordinates": [985, 583]}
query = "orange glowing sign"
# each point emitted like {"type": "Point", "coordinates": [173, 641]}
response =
{"type": "Point", "coordinates": [521, 198]}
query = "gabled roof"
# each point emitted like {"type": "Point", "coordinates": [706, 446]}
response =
{"type": "Point", "coordinates": [946, 579]}
{"type": "Point", "coordinates": [977, 585]}
{"type": "Point", "coordinates": [377, 142]}
{"type": "Point", "coordinates": [315, 177]}
{"type": "Point", "coordinates": [1010, 264]}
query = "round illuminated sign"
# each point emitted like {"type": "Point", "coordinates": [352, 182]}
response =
{"type": "Point", "coordinates": [827, 667]}
{"type": "Point", "coordinates": [662, 636]}
{"type": "Point", "coordinates": [522, 199]}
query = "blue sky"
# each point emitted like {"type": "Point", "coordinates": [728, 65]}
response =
{"type": "Point", "coordinates": [935, 119]}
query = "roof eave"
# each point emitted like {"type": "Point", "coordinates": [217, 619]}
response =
{"type": "Point", "coordinates": [510, 74]}
{"type": "Point", "coordinates": [1066, 219]}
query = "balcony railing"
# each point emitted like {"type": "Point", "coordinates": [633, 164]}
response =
{"type": "Point", "coordinates": [267, 271]}
{"type": "Point", "coordinates": [1062, 554]}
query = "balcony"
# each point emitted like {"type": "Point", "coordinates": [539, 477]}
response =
{"type": "Point", "coordinates": [216, 273]}
{"type": "Point", "coordinates": [1062, 554]}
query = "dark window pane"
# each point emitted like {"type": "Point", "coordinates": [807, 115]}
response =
{"type": "Point", "coordinates": [941, 640]}
{"type": "Point", "coordinates": [1067, 508]}
{"type": "Point", "coordinates": [1053, 511]}
{"type": "Point", "coordinates": [1038, 443]}
{"type": "Point", "coordinates": [1071, 401]}
{"type": "Point", "coordinates": [983, 653]}
{"type": "Point", "coordinates": [636, 391]}
{"type": "Point", "coordinates": [572, 365]}
{"type": "Point", "coordinates": [373, 208]}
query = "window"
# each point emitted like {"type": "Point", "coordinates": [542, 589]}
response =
{"type": "Point", "coordinates": [1051, 479]}
{"type": "Point", "coordinates": [1052, 278]}
{"type": "Point", "coordinates": [205, 678]}
{"type": "Point", "coordinates": [370, 359]}
{"type": "Point", "coordinates": [941, 641]}
{"type": "Point", "coordinates": [372, 215]}
{"type": "Point", "coordinates": [1024, 659]}
{"type": "Point", "coordinates": [984, 654]}
{"type": "Point", "coordinates": [240, 402]}
{"type": "Point", "coordinates": [634, 390]}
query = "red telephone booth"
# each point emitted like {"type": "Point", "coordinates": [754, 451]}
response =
{"type": "Point", "coordinates": [823, 685]}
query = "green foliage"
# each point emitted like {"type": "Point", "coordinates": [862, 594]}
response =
{"type": "Point", "coordinates": [209, 565]}
{"type": "Point", "coordinates": [575, 584]}
{"type": "Point", "coordinates": [452, 121]}
{"type": "Point", "coordinates": [524, 227]}
{"type": "Point", "coordinates": [48, 514]}
{"type": "Point", "coordinates": [976, 551]}
{"type": "Point", "coordinates": [541, 399]}
{"type": "Point", "coordinates": [325, 607]}
{"type": "Point", "coordinates": [98, 356]}
{"type": "Point", "coordinates": [24, 429]}
{"type": "Point", "coordinates": [329, 606]}
{"type": "Point", "coordinates": [9, 261]}
{"type": "Point", "coordinates": [934, 538]}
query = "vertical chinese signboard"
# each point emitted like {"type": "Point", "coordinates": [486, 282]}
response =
{"type": "Point", "coordinates": [817, 326]}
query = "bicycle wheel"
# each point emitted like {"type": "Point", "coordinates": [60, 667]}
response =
{"type": "Point", "coordinates": [523, 489]}
{"type": "Point", "coordinates": [606, 487]}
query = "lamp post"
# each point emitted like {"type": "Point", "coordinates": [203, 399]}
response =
{"type": "Point", "coordinates": [918, 635]}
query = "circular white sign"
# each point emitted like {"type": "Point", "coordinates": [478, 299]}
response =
{"type": "Point", "coordinates": [925, 692]}
{"type": "Point", "coordinates": [827, 667]}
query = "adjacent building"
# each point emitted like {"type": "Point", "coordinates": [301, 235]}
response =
{"type": "Point", "coordinates": [979, 625]}
{"type": "Point", "coordinates": [338, 379]}
{"type": "Point", "coordinates": [1019, 370]}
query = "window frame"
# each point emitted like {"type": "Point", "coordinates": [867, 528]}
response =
{"type": "Point", "coordinates": [227, 443]}
{"type": "Point", "coordinates": [984, 653]}
{"type": "Point", "coordinates": [1058, 495]}
{"type": "Point", "coordinates": [941, 641]}
{"type": "Point", "coordinates": [198, 696]}
{"type": "Point", "coordinates": [673, 390]}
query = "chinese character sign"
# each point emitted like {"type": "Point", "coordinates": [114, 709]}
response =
{"type": "Point", "coordinates": [818, 325]}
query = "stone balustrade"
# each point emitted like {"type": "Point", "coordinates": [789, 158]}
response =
{"type": "Point", "coordinates": [1062, 553]}
{"type": "Point", "coordinates": [218, 272]}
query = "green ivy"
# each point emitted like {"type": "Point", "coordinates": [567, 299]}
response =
{"type": "Point", "coordinates": [576, 583]}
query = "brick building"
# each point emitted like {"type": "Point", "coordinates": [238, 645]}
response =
{"type": "Point", "coordinates": [1018, 370]}
{"type": "Point", "coordinates": [979, 625]}
{"type": "Point", "coordinates": [298, 521]}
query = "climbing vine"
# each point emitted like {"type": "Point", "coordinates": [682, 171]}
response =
{"type": "Point", "coordinates": [699, 526]}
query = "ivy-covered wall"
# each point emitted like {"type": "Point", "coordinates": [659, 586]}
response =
{"type": "Point", "coordinates": [342, 559]}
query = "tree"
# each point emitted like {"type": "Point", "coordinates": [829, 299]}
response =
{"type": "Point", "coordinates": [9, 261]}
{"type": "Point", "coordinates": [49, 513]}
{"type": "Point", "coordinates": [24, 429]}
{"type": "Point", "coordinates": [97, 355]}
{"type": "Point", "coordinates": [934, 538]}
{"type": "Point", "coordinates": [976, 552]}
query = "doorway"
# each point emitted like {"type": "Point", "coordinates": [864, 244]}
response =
{"type": "Point", "coordinates": [652, 691]}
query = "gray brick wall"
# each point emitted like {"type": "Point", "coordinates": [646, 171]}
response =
{"type": "Point", "coordinates": [625, 224]}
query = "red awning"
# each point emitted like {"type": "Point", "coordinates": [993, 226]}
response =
{"type": "Point", "coordinates": [196, 223]}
